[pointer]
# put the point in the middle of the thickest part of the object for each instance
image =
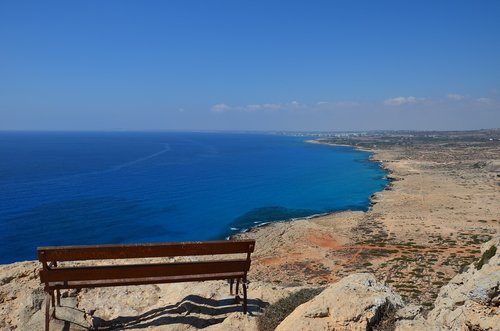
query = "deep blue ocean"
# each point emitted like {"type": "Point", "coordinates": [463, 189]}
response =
{"type": "Point", "coordinates": [117, 187]}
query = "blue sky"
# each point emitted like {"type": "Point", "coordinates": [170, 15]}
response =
{"type": "Point", "coordinates": [249, 65]}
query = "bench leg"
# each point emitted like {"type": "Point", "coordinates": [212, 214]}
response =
{"type": "Point", "coordinates": [244, 283]}
{"type": "Point", "coordinates": [47, 311]}
{"type": "Point", "coordinates": [53, 297]}
{"type": "Point", "coordinates": [231, 282]}
{"type": "Point", "coordinates": [58, 298]}
{"type": "Point", "coordinates": [237, 286]}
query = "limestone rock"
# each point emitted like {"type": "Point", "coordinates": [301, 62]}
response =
{"type": "Point", "coordinates": [418, 324]}
{"type": "Point", "coordinates": [471, 299]}
{"type": "Point", "coordinates": [31, 305]}
{"type": "Point", "coordinates": [408, 312]}
{"type": "Point", "coordinates": [356, 302]}
{"type": "Point", "coordinates": [19, 297]}
{"type": "Point", "coordinates": [74, 316]}
{"type": "Point", "coordinates": [235, 321]}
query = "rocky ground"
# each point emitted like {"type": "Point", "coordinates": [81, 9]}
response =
{"type": "Point", "coordinates": [417, 249]}
{"type": "Point", "coordinates": [359, 302]}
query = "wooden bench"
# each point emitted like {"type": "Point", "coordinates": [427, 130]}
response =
{"type": "Point", "coordinates": [55, 276]}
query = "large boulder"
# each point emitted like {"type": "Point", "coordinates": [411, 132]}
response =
{"type": "Point", "coordinates": [471, 300]}
{"type": "Point", "coordinates": [356, 302]}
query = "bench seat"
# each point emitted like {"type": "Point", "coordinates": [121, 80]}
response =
{"type": "Point", "coordinates": [143, 281]}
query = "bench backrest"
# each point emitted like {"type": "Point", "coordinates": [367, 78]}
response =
{"type": "Point", "coordinates": [135, 251]}
{"type": "Point", "coordinates": [52, 255]}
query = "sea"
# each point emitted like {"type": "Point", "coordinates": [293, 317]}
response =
{"type": "Point", "coordinates": [85, 188]}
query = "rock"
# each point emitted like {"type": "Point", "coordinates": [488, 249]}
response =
{"type": "Point", "coordinates": [408, 312]}
{"type": "Point", "coordinates": [19, 297]}
{"type": "Point", "coordinates": [31, 305]}
{"type": "Point", "coordinates": [471, 299]}
{"type": "Point", "coordinates": [38, 320]}
{"type": "Point", "coordinates": [418, 324]}
{"type": "Point", "coordinates": [319, 311]}
{"type": "Point", "coordinates": [409, 318]}
{"type": "Point", "coordinates": [69, 293]}
{"type": "Point", "coordinates": [69, 302]}
{"type": "Point", "coordinates": [74, 316]}
{"type": "Point", "coordinates": [32, 314]}
{"type": "Point", "coordinates": [235, 321]}
{"type": "Point", "coordinates": [493, 166]}
{"type": "Point", "coordinates": [356, 302]}
{"type": "Point", "coordinates": [6, 279]}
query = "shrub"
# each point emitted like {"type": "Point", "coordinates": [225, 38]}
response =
{"type": "Point", "coordinates": [387, 320]}
{"type": "Point", "coordinates": [487, 255]}
{"type": "Point", "coordinates": [278, 311]}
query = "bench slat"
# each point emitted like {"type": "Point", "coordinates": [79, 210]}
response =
{"type": "Point", "coordinates": [143, 270]}
{"type": "Point", "coordinates": [144, 281]}
{"type": "Point", "coordinates": [131, 251]}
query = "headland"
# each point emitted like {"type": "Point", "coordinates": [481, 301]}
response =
{"type": "Point", "coordinates": [441, 205]}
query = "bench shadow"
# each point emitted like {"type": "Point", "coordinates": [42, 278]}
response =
{"type": "Point", "coordinates": [194, 310]}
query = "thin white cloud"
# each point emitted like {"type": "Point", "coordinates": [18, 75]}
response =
{"type": "Point", "coordinates": [337, 104]}
{"type": "Point", "coordinates": [455, 96]}
{"type": "Point", "coordinates": [220, 108]}
{"type": "Point", "coordinates": [399, 101]}
{"type": "Point", "coordinates": [347, 104]}
{"type": "Point", "coordinates": [450, 99]}
{"type": "Point", "coordinates": [292, 106]}
{"type": "Point", "coordinates": [253, 107]}
{"type": "Point", "coordinates": [323, 105]}
{"type": "Point", "coordinates": [484, 101]}
{"type": "Point", "coordinates": [265, 106]}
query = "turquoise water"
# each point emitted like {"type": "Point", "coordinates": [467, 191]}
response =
{"type": "Point", "coordinates": [95, 188]}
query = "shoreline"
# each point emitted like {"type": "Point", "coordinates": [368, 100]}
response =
{"type": "Point", "coordinates": [319, 142]}
{"type": "Point", "coordinates": [371, 201]}
{"type": "Point", "coordinates": [419, 231]}
{"type": "Point", "coordinates": [313, 216]}
{"type": "Point", "coordinates": [440, 206]}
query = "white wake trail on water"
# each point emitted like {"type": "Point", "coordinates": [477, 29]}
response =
{"type": "Point", "coordinates": [139, 160]}
{"type": "Point", "coordinates": [118, 167]}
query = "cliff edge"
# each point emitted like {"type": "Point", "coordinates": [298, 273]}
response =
{"type": "Point", "coordinates": [470, 301]}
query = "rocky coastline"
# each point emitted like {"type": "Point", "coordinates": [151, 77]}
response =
{"type": "Point", "coordinates": [416, 252]}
